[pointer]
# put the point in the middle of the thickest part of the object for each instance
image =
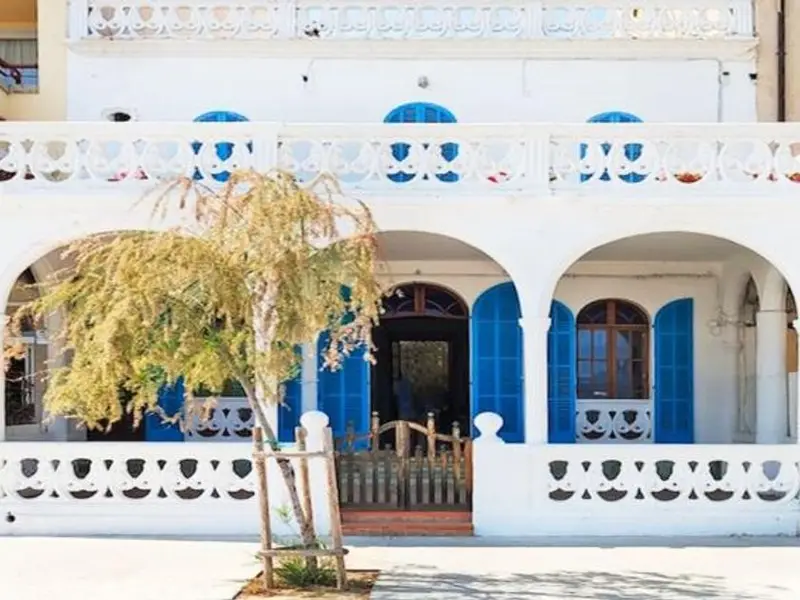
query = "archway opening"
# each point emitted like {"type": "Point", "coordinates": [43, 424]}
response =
{"type": "Point", "coordinates": [654, 337]}
{"type": "Point", "coordinates": [422, 352]}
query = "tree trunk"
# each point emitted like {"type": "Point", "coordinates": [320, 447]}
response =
{"type": "Point", "coordinates": [308, 535]}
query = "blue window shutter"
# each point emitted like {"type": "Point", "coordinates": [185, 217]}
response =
{"type": "Point", "coordinates": [632, 151]}
{"type": "Point", "coordinates": [561, 382]}
{"type": "Point", "coordinates": [422, 112]}
{"type": "Point", "coordinates": [291, 410]}
{"type": "Point", "coordinates": [344, 394]}
{"type": "Point", "coordinates": [497, 363]}
{"type": "Point", "coordinates": [224, 150]}
{"type": "Point", "coordinates": [170, 399]}
{"type": "Point", "coordinates": [674, 373]}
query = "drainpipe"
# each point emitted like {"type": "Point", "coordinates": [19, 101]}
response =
{"type": "Point", "coordinates": [781, 51]}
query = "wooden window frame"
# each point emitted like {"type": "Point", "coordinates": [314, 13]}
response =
{"type": "Point", "coordinates": [611, 328]}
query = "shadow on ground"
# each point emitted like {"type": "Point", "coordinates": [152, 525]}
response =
{"type": "Point", "coordinates": [418, 581]}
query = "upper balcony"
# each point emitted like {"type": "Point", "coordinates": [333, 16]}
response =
{"type": "Point", "coordinates": [654, 161]}
{"type": "Point", "coordinates": [501, 28]}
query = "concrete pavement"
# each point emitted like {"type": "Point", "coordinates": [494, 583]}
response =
{"type": "Point", "coordinates": [414, 569]}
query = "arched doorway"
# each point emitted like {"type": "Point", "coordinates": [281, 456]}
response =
{"type": "Point", "coordinates": [422, 357]}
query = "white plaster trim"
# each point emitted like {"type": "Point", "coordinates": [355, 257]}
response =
{"type": "Point", "coordinates": [569, 49]}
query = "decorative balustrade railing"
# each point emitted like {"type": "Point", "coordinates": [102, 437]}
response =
{"type": "Point", "coordinates": [718, 476]}
{"type": "Point", "coordinates": [614, 421]}
{"type": "Point", "coordinates": [613, 159]}
{"type": "Point", "coordinates": [225, 420]}
{"type": "Point", "coordinates": [436, 19]}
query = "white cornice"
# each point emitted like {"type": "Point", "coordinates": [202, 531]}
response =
{"type": "Point", "coordinates": [723, 50]}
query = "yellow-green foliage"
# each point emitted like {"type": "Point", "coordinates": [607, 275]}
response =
{"type": "Point", "coordinates": [261, 259]}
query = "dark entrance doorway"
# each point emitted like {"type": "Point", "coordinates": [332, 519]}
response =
{"type": "Point", "coordinates": [422, 358]}
{"type": "Point", "coordinates": [417, 454]}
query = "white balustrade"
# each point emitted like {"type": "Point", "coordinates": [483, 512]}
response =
{"type": "Point", "coordinates": [636, 489]}
{"type": "Point", "coordinates": [370, 20]}
{"type": "Point", "coordinates": [633, 159]}
{"type": "Point", "coordinates": [144, 488]}
{"type": "Point", "coordinates": [619, 421]}
{"type": "Point", "coordinates": [222, 420]}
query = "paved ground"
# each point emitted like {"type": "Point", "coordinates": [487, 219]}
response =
{"type": "Point", "coordinates": [121, 569]}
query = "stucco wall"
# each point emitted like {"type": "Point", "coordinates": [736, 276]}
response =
{"type": "Point", "coordinates": [365, 90]}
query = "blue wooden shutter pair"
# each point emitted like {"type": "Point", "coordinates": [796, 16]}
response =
{"type": "Point", "coordinates": [674, 377]}
{"type": "Point", "coordinates": [224, 150]}
{"type": "Point", "coordinates": [561, 380]}
{"type": "Point", "coordinates": [170, 399]}
{"type": "Point", "coordinates": [422, 112]}
{"type": "Point", "coordinates": [344, 394]}
{"type": "Point", "coordinates": [497, 360]}
{"type": "Point", "coordinates": [632, 151]}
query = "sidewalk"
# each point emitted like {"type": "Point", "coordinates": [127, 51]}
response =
{"type": "Point", "coordinates": [414, 569]}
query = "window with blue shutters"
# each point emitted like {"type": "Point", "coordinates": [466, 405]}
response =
{"type": "Point", "coordinates": [561, 381]}
{"type": "Point", "coordinates": [497, 360]}
{"type": "Point", "coordinates": [223, 150]}
{"type": "Point", "coordinates": [422, 112]}
{"type": "Point", "coordinates": [632, 152]}
{"type": "Point", "coordinates": [674, 373]}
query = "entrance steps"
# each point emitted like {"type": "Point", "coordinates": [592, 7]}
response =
{"type": "Point", "coordinates": [394, 523]}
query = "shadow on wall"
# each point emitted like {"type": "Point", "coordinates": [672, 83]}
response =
{"type": "Point", "coordinates": [418, 581]}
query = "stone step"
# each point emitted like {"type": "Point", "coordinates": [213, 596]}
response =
{"type": "Point", "coordinates": [394, 523]}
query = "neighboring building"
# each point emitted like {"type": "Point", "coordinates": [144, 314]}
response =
{"type": "Point", "coordinates": [594, 236]}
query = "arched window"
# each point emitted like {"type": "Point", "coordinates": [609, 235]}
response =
{"type": "Point", "coordinates": [613, 351]}
{"type": "Point", "coordinates": [423, 300]}
{"type": "Point", "coordinates": [421, 112]}
{"type": "Point", "coordinates": [224, 150]}
{"type": "Point", "coordinates": [633, 152]}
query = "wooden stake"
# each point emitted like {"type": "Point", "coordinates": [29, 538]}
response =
{"type": "Point", "coordinates": [263, 500]}
{"type": "Point", "coordinates": [333, 505]}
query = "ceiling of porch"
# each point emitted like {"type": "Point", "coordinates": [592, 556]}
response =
{"type": "Point", "coordinates": [666, 247]}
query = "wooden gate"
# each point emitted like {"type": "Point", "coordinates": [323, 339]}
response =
{"type": "Point", "coordinates": [405, 465]}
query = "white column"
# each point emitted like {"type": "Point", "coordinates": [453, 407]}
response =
{"type": "Point", "coordinates": [309, 378]}
{"type": "Point", "coordinates": [771, 413]}
{"type": "Point", "coordinates": [796, 398]}
{"type": "Point", "coordinates": [534, 343]}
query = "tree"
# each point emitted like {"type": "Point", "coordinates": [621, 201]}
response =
{"type": "Point", "coordinates": [258, 268]}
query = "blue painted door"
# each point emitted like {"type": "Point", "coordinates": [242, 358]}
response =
{"type": "Point", "coordinates": [170, 399]}
{"type": "Point", "coordinates": [561, 381]}
{"type": "Point", "coordinates": [497, 360]}
{"type": "Point", "coordinates": [632, 151]}
{"type": "Point", "coordinates": [422, 112]}
{"type": "Point", "coordinates": [291, 410]}
{"type": "Point", "coordinates": [674, 373]}
{"type": "Point", "coordinates": [344, 394]}
{"type": "Point", "coordinates": [224, 150]}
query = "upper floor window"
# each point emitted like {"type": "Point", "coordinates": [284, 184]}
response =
{"type": "Point", "coordinates": [406, 154]}
{"type": "Point", "coordinates": [223, 150]}
{"type": "Point", "coordinates": [632, 152]}
{"type": "Point", "coordinates": [613, 351]}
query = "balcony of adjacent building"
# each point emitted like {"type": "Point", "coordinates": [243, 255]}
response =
{"type": "Point", "coordinates": [450, 28]}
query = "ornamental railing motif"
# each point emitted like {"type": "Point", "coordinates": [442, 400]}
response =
{"type": "Point", "coordinates": [621, 159]}
{"type": "Point", "coordinates": [614, 421]}
{"type": "Point", "coordinates": [449, 19]}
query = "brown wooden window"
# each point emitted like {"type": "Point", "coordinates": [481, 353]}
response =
{"type": "Point", "coordinates": [613, 351]}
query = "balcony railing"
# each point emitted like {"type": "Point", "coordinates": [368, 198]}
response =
{"type": "Point", "coordinates": [614, 421]}
{"type": "Point", "coordinates": [612, 159]}
{"type": "Point", "coordinates": [437, 19]}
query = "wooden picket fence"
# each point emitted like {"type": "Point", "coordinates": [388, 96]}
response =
{"type": "Point", "coordinates": [405, 465]}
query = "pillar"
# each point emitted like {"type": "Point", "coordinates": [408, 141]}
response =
{"type": "Point", "coordinates": [534, 340]}
{"type": "Point", "coordinates": [766, 19]}
{"type": "Point", "coordinates": [771, 413]}
{"type": "Point", "coordinates": [2, 395]}
{"type": "Point", "coordinates": [309, 378]}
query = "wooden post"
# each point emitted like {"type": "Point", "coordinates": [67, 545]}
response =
{"type": "Point", "coordinates": [305, 480]}
{"type": "Point", "coordinates": [263, 499]}
{"type": "Point", "coordinates": [333, 505]}
{"type": "Point", "coordinates": [375, 426]}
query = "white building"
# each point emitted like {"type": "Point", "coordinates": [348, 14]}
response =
{"type": "Point", "coordinates": [595, 234]}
